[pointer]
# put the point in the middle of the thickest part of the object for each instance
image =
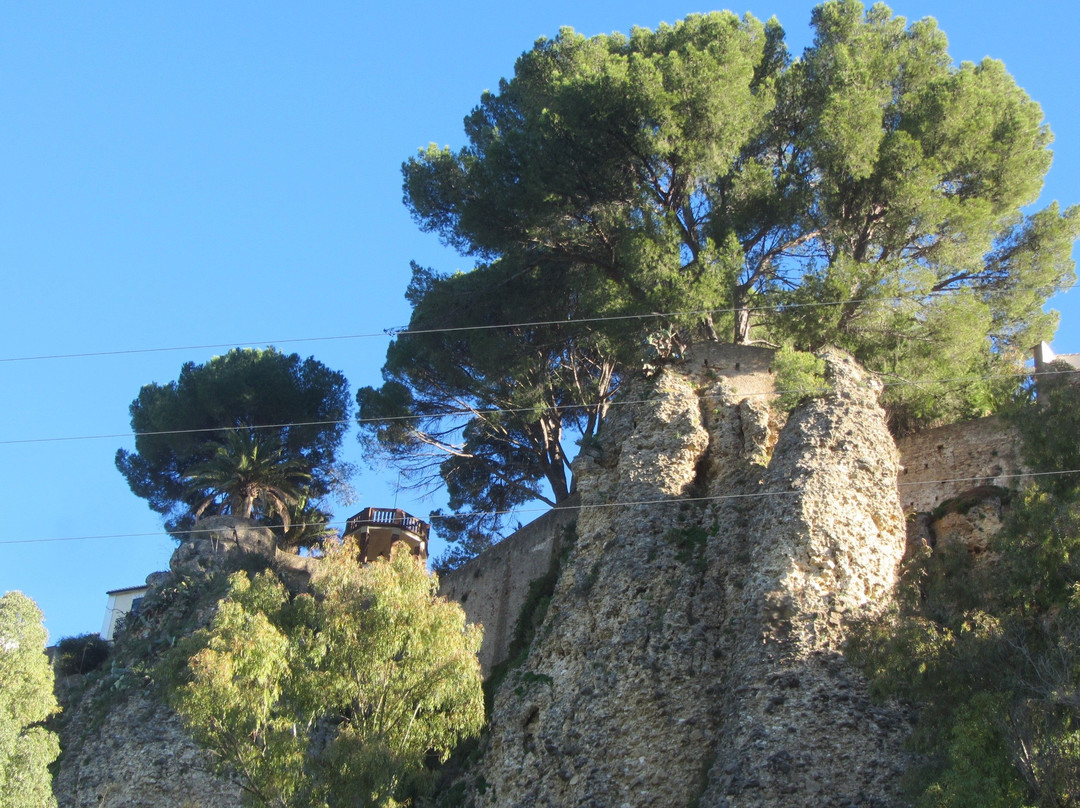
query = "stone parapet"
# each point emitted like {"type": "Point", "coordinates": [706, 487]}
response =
{"type": "Point", "coordinates": [940, 464]}
{"type": "Point", "coordinates": [492, 587]}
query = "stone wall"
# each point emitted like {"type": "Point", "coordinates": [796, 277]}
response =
{"type": "Point", "coordinates": [492, 587]}
{"type": "Point", "coordinates": [942, 463]}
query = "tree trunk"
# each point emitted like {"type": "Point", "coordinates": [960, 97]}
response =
{"type": "Point", "coordinates": [741, 307]}
{"type": "Point", "coordinates": [709, 327]}
{"type": "Point", "coordinates": [556, 477]}
{"type": "Point", "coordinates": [555, 460]}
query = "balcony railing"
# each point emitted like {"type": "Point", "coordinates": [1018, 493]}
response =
{"type": "Point", "coordinates": [388, 517]}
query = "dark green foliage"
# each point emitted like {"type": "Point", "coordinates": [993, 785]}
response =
{"type": "Point", "coordinates": [81, 654]}
{"type": "Point", "coordinates": [990, 649]}
{"type": "Point", "coordinates": [1048, 418]}
{"type": "Point", "coordinates": [180, 426]}
{"type": "Point", "coordinates": [694, 179]}
{"type": "Point", "coordinates": [486, 408]}
{"type": "Point", "coordinates": [698, 167]}
{"type": "Point", "coordinates": [466, 536]}
{"type": "Point", "coordinates": [689, 543]}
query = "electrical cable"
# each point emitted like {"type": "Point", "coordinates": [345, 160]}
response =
{"type": "Point", "coordinates": [510, 410]}
{"type": "Point", "coordinates": [396, 331]}
{"type": "Point", "coordinates": [623, 504]}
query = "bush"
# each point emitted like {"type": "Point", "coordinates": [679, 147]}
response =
{"type": "Point", "coordinates": [81, 654]}
{"type": "Point", "coordinates": [799, 375]}
{"type": "Point", "coordinates": [990, 650]}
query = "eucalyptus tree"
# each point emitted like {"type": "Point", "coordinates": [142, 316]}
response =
{"type": "Point", "coordinates": [337, 697]}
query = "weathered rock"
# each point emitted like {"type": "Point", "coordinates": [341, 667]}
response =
{"type": "Point", "coordinates": [131, 751]}
{"type": "Point", "coordinates": [215, 540]}
{"type": "Point", "coordinates": [971, 527]}
{"type": "Point", "coordinates": [830, 528]}
{"type": "Point", "coordinates": [691, 652]}
{"type": "Point", "coordinates": [799, 728]}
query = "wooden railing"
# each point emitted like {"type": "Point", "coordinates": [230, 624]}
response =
{"type": "Point", "coordinates": [387, 517]}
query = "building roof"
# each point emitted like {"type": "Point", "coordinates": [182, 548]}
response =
{"type": "Point", "coordinates": [126, 589]}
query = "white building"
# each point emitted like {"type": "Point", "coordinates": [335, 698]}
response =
{"type": "Point", "coordinates": [121, 602]}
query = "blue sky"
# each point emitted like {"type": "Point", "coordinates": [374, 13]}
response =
{"type": "Point", "coordinates": [209, 174]}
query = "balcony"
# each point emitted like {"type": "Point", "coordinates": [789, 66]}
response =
{"type": "Point", "coordinates": [377, 530]}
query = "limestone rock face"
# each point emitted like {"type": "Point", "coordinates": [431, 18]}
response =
{"type": "Point", "coordinates": [136, 755]}
{"type": "Point", "coordinates": [830, 528]}
{"type": "Point", "coordinates": [219, 540]}
{"type": "Point", "coordinates": [216, 538]}
{"type": "Point", "coordinates": [691, 652]}
{"type": "Point", "coordinates": [827, 536]}
{"type": "Point", "coordinates": [970, 528]}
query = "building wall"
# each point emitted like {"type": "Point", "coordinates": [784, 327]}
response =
{"type": "Point", "coordinates": [493, 586]}
{"type": "Point", "coordinates": [942, 463]}
{"type": "Point", "coordinates": [119, 604]}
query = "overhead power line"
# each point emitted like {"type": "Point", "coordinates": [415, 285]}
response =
{"type": "Point", "coordinates": [405, 331]}
{"type": "Point", "coordinates": [621, 504]}
{"type": "Point", "coordinates": [509, 410]}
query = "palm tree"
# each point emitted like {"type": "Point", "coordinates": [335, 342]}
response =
{"type": "Point", "coordinates": [310, 527]}
{"type": "Point", "coordinates": [250, 476]}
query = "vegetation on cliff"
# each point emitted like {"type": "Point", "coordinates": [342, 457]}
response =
{"type": "Point", "coordinates": [867, 195]}
{"type": "Point", "coordinates": [990, 647]}
{"type": "Point", "coordinates": [336, 697]}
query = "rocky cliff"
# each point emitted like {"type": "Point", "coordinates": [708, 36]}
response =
{"type": "Point", "coordinates": [691, 653]}
{"type": "Point", "coordinates": [122, 746]}
{"type": "Point", "coordinates": [692, 650]}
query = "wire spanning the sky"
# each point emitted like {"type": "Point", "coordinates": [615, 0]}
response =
{"type": "Point", "coordinates": [508, 410]}
{"type": "Point", "coordinates": [539, 510]}
{"type": "Point", "coordinates": [405, 331]}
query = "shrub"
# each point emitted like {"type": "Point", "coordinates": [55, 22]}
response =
{"type": "Point", "coordinates": [81, 654]}
{"type": "Point", "coordinates": [799, 375]}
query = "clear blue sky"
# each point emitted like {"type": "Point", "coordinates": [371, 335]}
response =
{"type": "Point", "coordinates": [217, 174]}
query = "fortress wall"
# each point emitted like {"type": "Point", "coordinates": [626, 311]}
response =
{"type": "Point", "coordinates": [492, 587]}
{"type": "Point", "coordinates": [966, 454]}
